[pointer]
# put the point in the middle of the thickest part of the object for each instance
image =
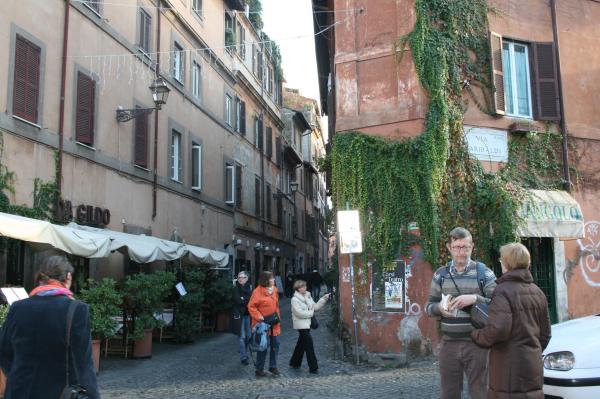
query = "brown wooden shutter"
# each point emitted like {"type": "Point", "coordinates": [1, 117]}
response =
{"type": "Point", "coordinates": [269, 142]}
{"type": "Point", "coordinates": [257, 199]}
{"type": "Point", "coordinates": [238, 186]}
{"type": "Point", "coordinates": [260, 135]}
{"type": "Point", "coordinates": [26, 80]}
{"type": "Point", "coordinates": [547, 105]}
{"type": "Point", "coordinates": [278, 149]}
{"type": "Point", "coordinates": [84, 120]}
{"type": "Point", "coordinates": [141, 140]}
{"type": "Point", "coordinates": [243, 119]}
{"type": "Point", "coordinates": [268, 195]}
{"type": "Point", "coordinates": [497, 73]}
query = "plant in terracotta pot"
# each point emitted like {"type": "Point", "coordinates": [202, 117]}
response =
{"type": "Point", "coordinates": [144, 295]}
{"type": "Point", "coordinates": [218, 295]}
{"type": "Point", "coordinates": [104, 301]}
{"type": "Point", "coordinates": [189, 306]}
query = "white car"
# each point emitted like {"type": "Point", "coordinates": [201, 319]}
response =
{"type": "Point", "coordinates": [572, 360]}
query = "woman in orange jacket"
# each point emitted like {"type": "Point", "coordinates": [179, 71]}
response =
{"type": "Point", "coordinates": [264, 302]}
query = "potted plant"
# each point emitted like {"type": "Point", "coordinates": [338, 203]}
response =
{"type": "Point", "coordinates": [218, 296]}
{"type": "Point", "coordinates": [3, 313]}
{"type": "Point", "coordinates": [144, 294]}
{"type": "Point", "coordinates": [189, 306]}
{"type": "Point", "coordinates": [104, 301]}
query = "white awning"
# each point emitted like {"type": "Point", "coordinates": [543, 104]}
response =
{"type": "Point", "coordinates": [551, 214]}
{"type": "Point", "coordinates": [146, 249]}
{"type": "Point", "coordinates": [70, 240]}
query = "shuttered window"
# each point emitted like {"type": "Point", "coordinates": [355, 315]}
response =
{"type": "Point", "coordinates": [196, 166]}
{"type": "Point", "coordinates": [238, 186]}
{"type": "Point", "coordinates": [26, 80]}
{"type": "Point", "coordinates": [257, 197]}
{"type": "Point", "coordinates": [517, 84]}
{"type": "Point", "coordinates": [497, 73]}
{"type": "Point", "coordinates": [229, 184]}
{"type": "Point", "coordinates": [546, 82]}
{"type": "Point", "coordinates": [268, 206]}
{"type": "Point", "coordinates": [144, 33]}
{"type": "Point", "coordinates": [141, 140]}
{"type": "Point", "coordinates": [243, 118]}
{"type": "Point", "coordinates": [176, 157]}
{"type": "Point", "coordinates": [269, 138]}
{"type": "Point", "coordinates": [238, 115]}
{"type": "Point", "coordinates": [84, 118]}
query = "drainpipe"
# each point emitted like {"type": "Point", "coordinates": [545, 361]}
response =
{"type": "Point", "coordinates": [61, 112]}
{"type": "Point", "coordinates": [157, 71]}
{"type": "Point", "coordinates": [563, 122]}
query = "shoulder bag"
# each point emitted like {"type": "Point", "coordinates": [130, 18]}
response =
{"type": "Point", "coordinates": [314, 323]}
{"type": "Point", "coordinates": [72, 391]}
{"type": "Point", "coordinates": [479, 311]}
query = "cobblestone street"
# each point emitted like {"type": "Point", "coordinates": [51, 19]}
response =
{"type": "Point", "coordinates": [210, 368]}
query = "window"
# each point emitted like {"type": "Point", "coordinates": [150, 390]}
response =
{"type": "Point", "coordinates": [255, 59]}
{"type": "Point", "coordinates": [268, 197]}
{"type": "Point", "coordinates": [93, 4]}
{"type": "Point", "coordinates": [258, 133]}
{"type": "Point", "coordinates": [26, 79]}
{"type": "Point", "coordinates": [176, 158]}
{"type": "Point", "coordinates": [517, 85]}
{"type": "Point", "coordinates": [178, 62]}
{"type": "Point", "coordinates": [229, 32]}
{"type": "Point", "coordinates": [241, 40]}
{"type": "Point", "coordinates": [238, 114]}
{"type": "Point", "coordinates": [196, 75]}
{"type": "Point", "coordinates": [257, 196]}
{"type": "Point", "coordinates": [144, 33]}
{"type": "Point", "coordinates": [228, 109]}
{"type": "Point", "coordinates": [229, 184]}
{"type": "Point", "coordinates": [260, 67]}
{"type": "Point", "coordinates": [84, 114]}
{"type": "Point", "coordinates": [141, 140]}
{"type": "Point", "coordinates": [270, 79]}
{"type": "Point", "coordinates": [242, 117]}
{"type": "Point", "coordinates": [197, 7]}
{"type": "Point", "coordinates": [196, 166]}
{"type": "Point", "coordinates": [269, 138]}
{"type": "Point", "coordinates": [238, 186]}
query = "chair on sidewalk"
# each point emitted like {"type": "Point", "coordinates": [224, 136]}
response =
{"type": "Point", "coordinates": [120, 343]}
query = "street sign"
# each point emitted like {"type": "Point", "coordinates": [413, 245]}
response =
{"type": "Point", "coordinates": [349, 232]}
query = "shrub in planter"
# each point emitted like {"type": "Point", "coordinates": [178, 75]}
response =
{"type": "Point", "coordinates": [188, 311]}
{"type": "Point", "coordinates": [218, 297]}
{"type": "Point", "coordinates": [3, 313]}
{"type": "Point", "coordinates": [104, 301]}
{"type": "Point", "coordinates": [144, 295]}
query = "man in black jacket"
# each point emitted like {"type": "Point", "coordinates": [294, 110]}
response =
{"type": "Point", "coordinates": [242, 291]}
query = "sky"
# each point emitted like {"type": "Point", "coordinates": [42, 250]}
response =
{"type": "Point", "coordinates": [290, 24]}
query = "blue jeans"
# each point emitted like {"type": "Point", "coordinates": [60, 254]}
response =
{"type": "Point", "coordinates": [244, 334]}
{"type": "Point", "coordinates": [261, 357]}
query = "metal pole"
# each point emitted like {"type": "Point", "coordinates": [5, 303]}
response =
{"type": "Point", "coordinates": [354, 320]}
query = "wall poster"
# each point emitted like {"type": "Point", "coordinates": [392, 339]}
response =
{"type": "Point", "coordinates": [388, 287]}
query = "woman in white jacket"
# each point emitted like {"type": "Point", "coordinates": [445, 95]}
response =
{"type": "Point", "coordinates": [303, 308]}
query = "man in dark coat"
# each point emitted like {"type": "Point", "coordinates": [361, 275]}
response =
{"type": "Point", "coordinates": [242, 291]}
{"type": "Point", "coordinates": [33, 338]}
{"type": "Point", "coordinates": [518, 330]}
{"type": "Point", "coordinates": [315, 284]}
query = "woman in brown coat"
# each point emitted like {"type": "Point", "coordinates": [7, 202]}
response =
{"type": "Point", "coordinates": [518, 330]}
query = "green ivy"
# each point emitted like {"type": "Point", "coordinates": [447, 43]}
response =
{"type": "Point", "coordinates": [431, 179]}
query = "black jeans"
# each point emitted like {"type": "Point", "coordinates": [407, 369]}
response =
{"type": "Point", "coordinates": [304, 344]}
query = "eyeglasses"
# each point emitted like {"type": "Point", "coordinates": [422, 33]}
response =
{"type": "Point", "coordinates": [462, 248]}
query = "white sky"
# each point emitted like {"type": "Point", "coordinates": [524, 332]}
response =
{"type": "Point", "coordinates": [284, 21]}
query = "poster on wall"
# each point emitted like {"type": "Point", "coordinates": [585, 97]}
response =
{"type": "Point", "coordinates": [388, 287]}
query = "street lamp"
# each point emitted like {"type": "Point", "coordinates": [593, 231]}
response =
{"type": "Point", "coordinates": [160, 93]}
{"type": "Point", "coordinates": [294, 186]}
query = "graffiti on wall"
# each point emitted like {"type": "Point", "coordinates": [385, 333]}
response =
{"type": "Point", "coordinates": [412, 308]}
{"type": "Point", "coordinates": [589, 254]}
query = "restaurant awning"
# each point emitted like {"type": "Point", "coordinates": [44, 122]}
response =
{"type": "Point", "coordinates": [146, 249]}
{"type": "Point", "coordinates": [67, 239]}
{"type": "Point", "coordinates": [551, 214]}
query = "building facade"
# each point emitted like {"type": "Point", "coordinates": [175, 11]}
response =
{"type": "Point", "coordinates": [544, 60]}
{"type": "Point", "coordinates": [203, 169]}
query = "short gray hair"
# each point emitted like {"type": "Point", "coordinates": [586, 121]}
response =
{"type": "Point", "coordinates": [243, 274]}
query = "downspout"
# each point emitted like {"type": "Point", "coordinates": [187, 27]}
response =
{"type": "Point", "coordinates": [157, 72]}
{"type": "Point", "coordinates": [563, 122]}
{"type": "Point", "coordinates": [61, 112]}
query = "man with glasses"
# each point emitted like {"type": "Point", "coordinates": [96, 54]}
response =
{"type": "Point", "coordinates": [466, 282]}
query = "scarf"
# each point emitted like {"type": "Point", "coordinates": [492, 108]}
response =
{"type": "Point", "coordinates": [51, 288]}
{"type": "Point", "coordinates": [270, 289]}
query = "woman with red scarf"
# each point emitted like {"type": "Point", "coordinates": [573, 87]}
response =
{"type": "Point", "coordinates": [33, 348]}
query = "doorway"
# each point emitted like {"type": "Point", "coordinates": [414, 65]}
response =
{"type": "Point", "coordinates": [542, 269]}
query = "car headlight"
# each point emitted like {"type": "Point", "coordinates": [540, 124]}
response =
{"type": "Point", "coordinates": [563, 361]}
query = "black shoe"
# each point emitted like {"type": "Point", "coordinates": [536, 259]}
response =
{"type": "Point", "coordinates": [274, 371]}
{"type": "Point", "coordinates": [315, 371]}
{"type": "Point", "coordinates": [260, 373]}
{"type": "Point", "coordinates": [295, 367]}
{"type": "Point", "coordinates": [245, 362]}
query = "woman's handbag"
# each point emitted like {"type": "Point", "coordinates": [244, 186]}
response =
{"type": "Point", "coordinates": [314, 323]}
{"type": "Point", "coordinates": [72, 391]}
{"type": "Point", "coordinates": [272, 319]}
{"type": "Point", "coordinates": [479, 315]}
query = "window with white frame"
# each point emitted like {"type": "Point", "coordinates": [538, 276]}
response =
{"type": "Point", "coordinates": [229, 184]}
{"type": "Point", "coordinates": [196, 166]}
{"type": "Point", "coordinates": [178, 62]}
{"type": "Point", "coordinates": [196, 76]}
{"type": "Point", "coordinates": [176, 158]}
{"type": "Point", "coordinates": [238, 115]}
{"type": "Point", "coordinates": [197, 7]}
{"type": "Point", "coordinates": [228, 101]}
{"type": "Point", "coordinates": [517, 84]}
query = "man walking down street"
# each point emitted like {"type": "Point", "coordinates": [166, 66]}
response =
{"type": "Point", "coordinates": [467, 282]}
{"type": "Point", "coordinates": [315, 284]}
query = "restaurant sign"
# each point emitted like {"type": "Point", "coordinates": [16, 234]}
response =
{"type": "Point", "coordinates": [84, 214]}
